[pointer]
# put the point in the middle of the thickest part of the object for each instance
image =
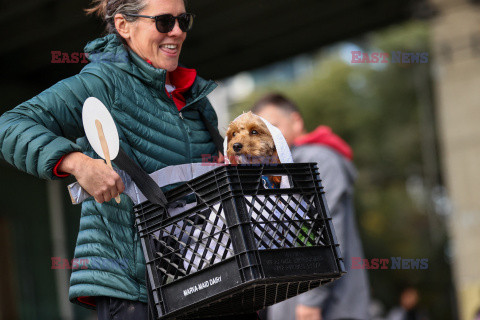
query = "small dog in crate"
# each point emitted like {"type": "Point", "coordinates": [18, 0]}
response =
{"type": "Point", "coordinates": [250, 142]}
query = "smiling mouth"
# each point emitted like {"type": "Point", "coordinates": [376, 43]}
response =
{"type": "Point", "coordinates": [169, 48]}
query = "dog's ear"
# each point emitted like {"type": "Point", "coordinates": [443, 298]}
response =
{"type": "Point", "coordinates": [231, 129]}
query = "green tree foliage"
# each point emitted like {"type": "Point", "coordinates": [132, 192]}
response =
{"type": "Point", "coordinates": [376, 109]}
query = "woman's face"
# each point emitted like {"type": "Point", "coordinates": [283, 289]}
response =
{"type": "Point", "coordinates": [162, 49]}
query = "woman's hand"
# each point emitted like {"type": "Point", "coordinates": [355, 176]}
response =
{"type": "Point", "coordinates": [99, 180]}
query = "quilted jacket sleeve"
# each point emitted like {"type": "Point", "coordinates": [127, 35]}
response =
{"type": "Point", "coordinates": [37, 133]}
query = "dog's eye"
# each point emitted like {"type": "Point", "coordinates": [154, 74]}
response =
{"type": "Point", "coordinates": [254, 132]}
{"type": "Point", "coordinates": [233, 134]}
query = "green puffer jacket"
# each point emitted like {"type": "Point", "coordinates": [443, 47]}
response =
{"type": "Point", "coordinates": [38, 132]}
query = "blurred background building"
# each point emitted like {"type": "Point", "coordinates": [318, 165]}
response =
{"type": "Point", "coordinates": [455, 35]}
{"type": "Point", "coordinates": [413, 127]}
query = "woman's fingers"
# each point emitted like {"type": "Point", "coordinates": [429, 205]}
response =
{"type": "Point", "coordinates": [99, 180]}
{"type": "Point", "coordinates": [113, 193]}
{"type": "Point", "coordinates": [120, 185]}
{"type": "Point", "coordinates": [113, 186]}
{"type": "Point", "coordinates": [99, 198]}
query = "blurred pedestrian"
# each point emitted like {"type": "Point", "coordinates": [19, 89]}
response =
{"type": "Point", "coordinates": [408, 308]}
{"type": "Point", "coordinates": [348, 297]}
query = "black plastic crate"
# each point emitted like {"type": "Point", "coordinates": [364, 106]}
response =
{"type": "Point", "coordinates": [239, 247]}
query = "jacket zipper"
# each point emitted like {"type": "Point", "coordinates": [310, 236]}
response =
{"type": "Point", "coordinates": [184, 129]}
{"type": "Point", "coordinates": [171, 97]}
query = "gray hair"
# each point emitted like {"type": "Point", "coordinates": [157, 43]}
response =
{"type": "Point", "coordinates": [107, 9]}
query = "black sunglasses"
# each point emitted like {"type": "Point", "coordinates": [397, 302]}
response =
{"type": "Point", "coordinates": [166, 22]}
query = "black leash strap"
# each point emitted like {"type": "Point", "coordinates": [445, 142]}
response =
{"type": "Point", "coordinates": [153, 193]}
{"type": "Point", "coordinates": [143, 181]}
{"type": "Point", "coordinates": [217, 138]}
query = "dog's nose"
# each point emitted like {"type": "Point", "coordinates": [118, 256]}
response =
{"type": "Point", "coordinates": [237, 147]}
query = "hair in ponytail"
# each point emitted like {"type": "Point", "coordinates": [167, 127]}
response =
{"type": "Point", "coordinates": [107, 9]}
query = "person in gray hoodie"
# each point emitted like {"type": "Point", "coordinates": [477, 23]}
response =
{"type": "Point", "coordinates": [348, 297]}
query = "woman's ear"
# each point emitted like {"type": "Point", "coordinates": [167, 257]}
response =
{"type": "Point", "coordinates": [122, 25]}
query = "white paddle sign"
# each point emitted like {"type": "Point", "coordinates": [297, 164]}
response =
{"type": "Point", "coordinates": [101, 131]}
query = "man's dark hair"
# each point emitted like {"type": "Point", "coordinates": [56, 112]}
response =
{"type": "Point", "coordinates": [278, 100]}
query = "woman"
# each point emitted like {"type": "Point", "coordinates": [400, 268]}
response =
{"type": "Point", "coordinates": [156, 106]}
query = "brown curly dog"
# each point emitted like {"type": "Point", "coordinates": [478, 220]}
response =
{"type": "Point", "coordinates": [249, 142]}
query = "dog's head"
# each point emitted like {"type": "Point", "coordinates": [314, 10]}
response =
{"type": "Point", "coordinates": [250, 141]}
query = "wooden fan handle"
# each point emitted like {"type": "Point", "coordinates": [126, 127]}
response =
{"type": "Point", "coordinates": [106, 152]}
